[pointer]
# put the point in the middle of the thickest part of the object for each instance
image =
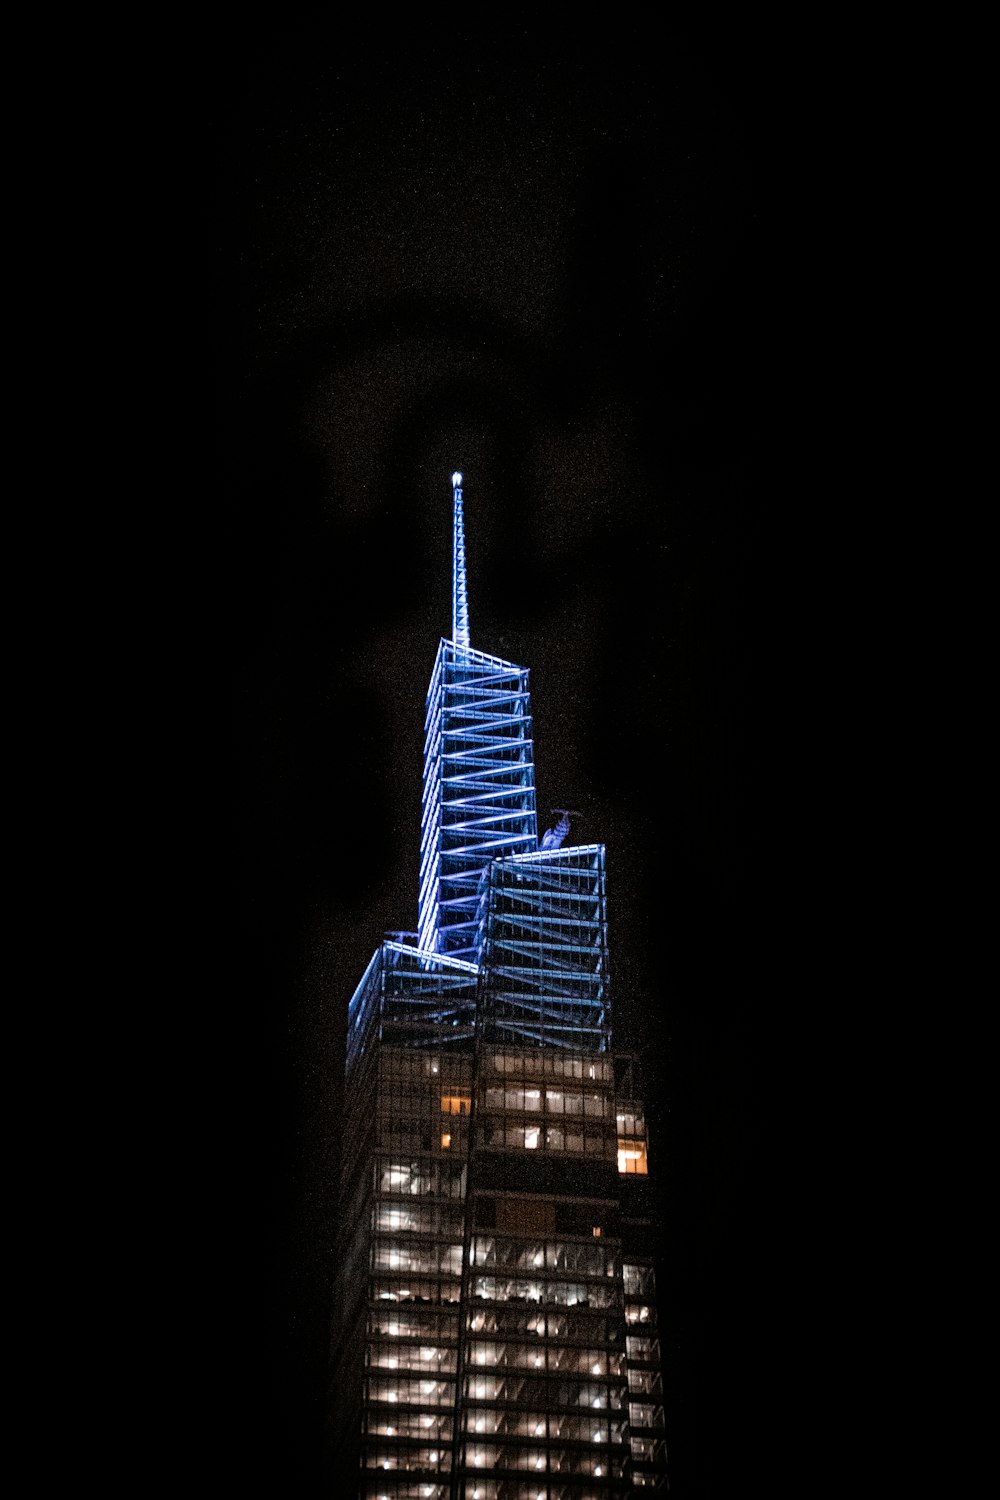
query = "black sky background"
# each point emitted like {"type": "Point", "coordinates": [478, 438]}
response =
{"type": "Point", "coordinates": [561, 265]}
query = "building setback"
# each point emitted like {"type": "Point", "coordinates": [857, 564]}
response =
{"type": "Point", "coordinates": [496, 1332]}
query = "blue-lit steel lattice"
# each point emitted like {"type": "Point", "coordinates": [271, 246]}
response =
{"type": "Point", "coordinates": [543, 931]}
{"type": "Point", "coordinates": [479, 790]}
{"type": "Point", "coordinates": [411, 998]}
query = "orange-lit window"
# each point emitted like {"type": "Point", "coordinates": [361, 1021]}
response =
{"type": "Point", "coordinates": [446, 1141]}
{"type": "Point", "coordinates": [597, 1231]}
{"type": "Point", "coordinates": [632, 1156]}
{"type": "Point", "coordinates": [456, 1104]}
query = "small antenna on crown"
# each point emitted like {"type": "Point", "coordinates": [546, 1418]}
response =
{"type": "Point", "coordinates": [459, 591]}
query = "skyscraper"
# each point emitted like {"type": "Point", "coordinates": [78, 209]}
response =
{"type": "Point", "coordinates": [496, 1325]}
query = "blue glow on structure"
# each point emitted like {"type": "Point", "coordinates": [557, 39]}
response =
{"type": "Point", "coordinates": [479, 774]}
{"type": "Point", "coordinates": [525, 928]}
{"type": "Point", "coordinates": [459, 587]}
{"type": "Point", "coordinates": [411, 998]}
{"type": "Point", "coordinates": [479, 790]}
{"type": "Point", "coordinates": [544, 936]}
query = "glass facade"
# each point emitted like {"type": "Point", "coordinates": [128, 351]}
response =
{"type": "Point", "coordinates": [497, 1334]}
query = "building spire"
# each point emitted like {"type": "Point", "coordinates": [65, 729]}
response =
{"type": "Point", "coordinates": [459, 592]}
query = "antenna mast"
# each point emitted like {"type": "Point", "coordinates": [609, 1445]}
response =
{"type": "Point", "coordinates": [459, 591]}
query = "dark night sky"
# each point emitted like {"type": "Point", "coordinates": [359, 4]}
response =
{"type": "Point", "coordinates": [559, 266]}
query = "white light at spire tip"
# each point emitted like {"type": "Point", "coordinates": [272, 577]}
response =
{"type": "Point", "coordinates": [456, 480]}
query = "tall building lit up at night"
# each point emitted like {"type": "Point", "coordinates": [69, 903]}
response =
{"type": "Point", "coordinates": [496, 1332]}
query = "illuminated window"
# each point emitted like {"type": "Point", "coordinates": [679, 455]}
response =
{"type": "Point", "coordinates": [446, 1141]}
{"type": "Point", "coordinates": [456, 1104]}
{"type": "Point", "coordinates": [632, 1156]}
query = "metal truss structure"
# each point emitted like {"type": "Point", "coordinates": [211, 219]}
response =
{"type": "Point", "coordinates": [411, 998]}
{"type": "Point", "coordinates": [543, 931]}
{"type": "Point", "coordinates": [479, 790]}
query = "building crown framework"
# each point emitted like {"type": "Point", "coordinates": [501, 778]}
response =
{"type": "Point", "coordinates": [496, 1333]}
